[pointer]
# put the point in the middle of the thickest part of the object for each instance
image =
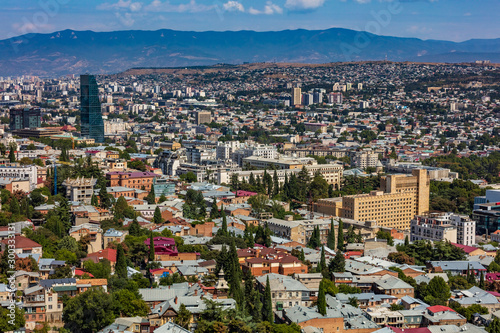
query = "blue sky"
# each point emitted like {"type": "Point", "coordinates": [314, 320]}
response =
{"type": "Point", "coordinates": [456, 20]}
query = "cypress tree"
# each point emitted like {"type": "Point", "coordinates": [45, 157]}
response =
{"type": "Point", "coordinates": [322, 299]}
{"type": "Point", "coordinates": [276, 183]}
{"type": "Point", "coordinates": [224, 224]}
{"type": "Point", "coordinates": [267, 304]}
{"type": "Point", "coordinates": [151, 197]}
{"type": "Point", "coordinates": [331, 236]}
{"type": "Point", "coordinates": [214, 212]}
{"type": "Point", "coordinates": [340, 241]}
{"type": "Point", "coordinates": [134, 229]}
{"type": "Point", "coordinates": [151, 256]}
{"type": "Point", "coordinates": [121, 263]}
{"type": "Point", "coordinates": [322, 262]}
{"type": "Point", "coordinates": [302, 256]}
{"type": "Point", "coordinates": [407, 241]}
{"type": "Point", "coordinates": [12, 155]}
{"type": "Point", "coordinates": [481, 281]}
{"type": "Point", "coordinates": [157, 216]}
{"type": "Point", "coordinates": [221, 260]}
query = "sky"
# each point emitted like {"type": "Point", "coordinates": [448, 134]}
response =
{"type": "Point", "coordinates": [455, 20]}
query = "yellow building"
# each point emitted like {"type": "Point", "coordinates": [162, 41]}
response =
{"type": "Point", "coordinates": [401, 198]}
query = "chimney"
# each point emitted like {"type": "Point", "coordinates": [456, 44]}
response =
{"type": "Point", "coordinates": [175, 300]}
{"type": "Point", "coordinates": [196, 292]}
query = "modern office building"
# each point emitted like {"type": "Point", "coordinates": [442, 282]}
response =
{"type": "Point", "coordinates": [400, 198]}
{"type": "Point", "coordinates": [487, 217]}
{"type": "Point", "coordinates": [25, 118]}
{"type": "Point", "coordinates": [91, 117]}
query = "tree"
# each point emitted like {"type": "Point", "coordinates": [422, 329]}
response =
{"type": "Point", "coordinates": [89, 311]}
{"type": "Point", "coordinates": [267, 304]}
{"type": "Point", "coordinates": [331, 236]}
{"type": "Point", "coordinates": [386, 235]}
{"type": "Point", "coordinates": [11, 324]}
{"type": "Point", "coordinates": [481, 281]}
{"type": "Point", "coordinates": [322, 299]}
{"type": "Point", "coordinates": [134, 229]}
{"type": "Point", "coordinates": [494, 326]}
{"type": "Point", "coordinates": [157, 216]}
{"type": "Point", "coordinates": [337, 264]}
{"type": "Point", "coordinates": [183, 317]}
{"type": "Point", "coordinates": [315, 240]}
{"type": "Point", "coordinates": [127, 304]}
{"type": "Point", "coordinates": [353, 301]}
{"type": "Point", "coordinates": [214, 211]}
{"type": "Point", "coordinates": [151, 256]}
{"type": "Point", "coordinates": [437, 291]}
{"type": "Point", "coordinates": [12, 155]}
{"type": "Point", "coordinates": [322, 263]}
{"type": "Point", "coordinates": [121, 262]}
{"type": "Point", "coordinates": [340, 240]}
{"type": "Point", "coordinates": [151, 197]}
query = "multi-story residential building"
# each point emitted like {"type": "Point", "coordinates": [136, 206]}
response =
{"type": "Point", "coordinates": [169, 161]}
{"type": "Point", "coordinates": [365, 159]}
{"type": "Point", "coordinates": [314, 127]}
{"type": "Point", "coordinates": [90, 231]}
{"type": "Point", "coordinates": [25, 118]}
{"type": "Point", "coordinates": [135, 179]}
{"type": "Point", "coordinates": [433, 227]}
{"type": "Point", "coordinates": [224, 150]}
{"type": "Point", "coordinates": [401, 198]}
{"type": "Point", "coordinates": [197, 155]}
{"type": "Point", "coordinates": [203, 117]}
{"type": "Point", "coordinates": [335, 98]}
{"type": "Point", "coordinates": [296, 96]}
{"type": "Point", "coordinates": [20, 172]}
{"type": "Point", "coordinates": [80, 189]}
{"type": "Point", "coordinates": [301, 231]}
{"type": "Point", "coordinates": [112, 235]}
{"type": "Point", "coordinates": [286, 292]}
{"type": "Point", "coordinates": [257, 150]}
{"type": "Point", "coordinates": [317, 151]}
{"type": "Point", "coordinates": [466, 229]}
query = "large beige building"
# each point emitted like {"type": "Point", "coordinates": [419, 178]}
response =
{"type": "Point", "coordinates": [401, 198]}
{"type": "Point", "coordinates": [296, 96]}
{"type": "Point", "coordinates": [203, 117]}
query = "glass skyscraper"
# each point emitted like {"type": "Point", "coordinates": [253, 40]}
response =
{"type": "Point", "coordinates": [91, 116]}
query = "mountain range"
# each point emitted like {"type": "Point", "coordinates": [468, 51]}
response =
{"type": "Point", "coordinates": [75, 52]}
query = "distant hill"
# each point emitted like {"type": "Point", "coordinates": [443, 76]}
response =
{"type": "Point", "coordinates": [74, 52]}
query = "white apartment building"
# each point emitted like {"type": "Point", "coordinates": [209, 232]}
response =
{"type": "Point", "coordinates": [257, 150]}
{"type": "Point", "coordinates": [364, 159]}
{"type": "Point", "coordinates": [224, 150]}
{"type": "Point", "coordinates": [197, 155]}
{"type": "Point", "coordinates": [28, 172]}
{"type": "Point", "coordinates": [443, 227]}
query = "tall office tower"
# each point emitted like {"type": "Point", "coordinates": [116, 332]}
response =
{"type": "Point", "coordinates": [296, 96]}
{"type": "Point", "coordinates": [25, 118]}
{"type": "Point", "coordinates": [91, 116]}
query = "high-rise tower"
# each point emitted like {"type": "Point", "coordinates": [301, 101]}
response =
{"type": "Point", "coordinates": [91, 116]}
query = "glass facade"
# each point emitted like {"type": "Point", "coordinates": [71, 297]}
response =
{"type": "Point", "coordinates": [91, 117]}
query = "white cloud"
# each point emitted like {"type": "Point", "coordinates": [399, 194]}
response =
{"type": "Point", "coordinates": [303, 4]}
{"type": "Point", "coordinates": [167, 7]}
{"type": "Point", "coordinates": [233, 6]}
{"type": "Point", "coordinates": [269, 9]}
{"type": "Point", "coordinates": [121, 4]}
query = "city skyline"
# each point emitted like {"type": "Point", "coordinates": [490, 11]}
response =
{"type": "Point", "coordinates": [432, 19]}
